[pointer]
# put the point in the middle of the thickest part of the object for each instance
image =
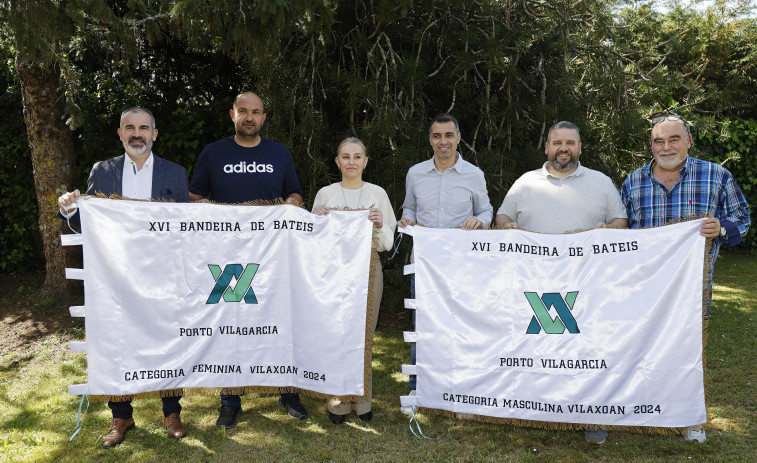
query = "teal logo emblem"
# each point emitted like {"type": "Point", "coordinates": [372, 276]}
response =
{"type": "Point", "coordinates": [542, 320]}
{"type": "Point", "coordinates": [242, 289]}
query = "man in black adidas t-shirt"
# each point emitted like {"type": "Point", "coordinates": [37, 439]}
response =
{"type": "Point", "coordinates": [247, 167]}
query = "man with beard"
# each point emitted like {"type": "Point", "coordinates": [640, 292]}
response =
{"type": "Point", "coordinates": [138, 174]}
{"type": "Point", "coordinates": [245, 167]}
{"type": "Point", "coordinates": [241, 168]}
{"type": "Point", "coordinates": [563, 195]}
{"type": "Point", "coordinates": [676, 186]}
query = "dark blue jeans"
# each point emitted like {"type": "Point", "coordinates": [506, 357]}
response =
{"type": "Point", "coordinates": [236, 401]}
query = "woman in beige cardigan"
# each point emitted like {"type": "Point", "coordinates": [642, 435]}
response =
{"type": "Point", "coordinates": [353, 193]}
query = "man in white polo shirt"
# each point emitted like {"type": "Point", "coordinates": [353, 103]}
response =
{"type": "Point", "coordinates": [563, 196]}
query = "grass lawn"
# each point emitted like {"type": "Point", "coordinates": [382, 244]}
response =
{"type": "Point", "coordinates": [37, 416]}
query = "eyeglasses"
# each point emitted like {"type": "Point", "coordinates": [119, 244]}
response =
{"type": "Point", "coordinates": [671, 117]}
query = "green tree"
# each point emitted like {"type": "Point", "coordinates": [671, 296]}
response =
{"type": "Point", "coordinates": [19, 236]}
{"type": "Point", "coordinates": [50, 141]}
{"type": "Point", "coordinates": [41, 33]}
{"type": "Point", "coordinates": [380, 70]}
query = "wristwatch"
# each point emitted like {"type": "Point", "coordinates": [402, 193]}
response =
{"type": "Point", "coordinates": [722, 232]}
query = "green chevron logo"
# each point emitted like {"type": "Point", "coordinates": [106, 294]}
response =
{"type": "Point", "coordinates": [243, 288]}
{"type": "Point", "coordinates": [542, 320]}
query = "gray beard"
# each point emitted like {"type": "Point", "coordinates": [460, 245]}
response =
{"type": "Point", "coordinates": [671, 164]}
{"type": "Point", "coordinates": [560, 167]}
{"type": "Point", "coordinates": [138, 152]}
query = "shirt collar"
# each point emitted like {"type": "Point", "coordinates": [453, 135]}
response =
{"type": "Point", "coordinates": [579, 170]}
{"type": "Point", "coordinates": [458, 166]}
{"type": "Point", "coordinates": [148, 162]}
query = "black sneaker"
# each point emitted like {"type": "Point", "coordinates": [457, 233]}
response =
{"type": "Point", "coordinates": [366, 417]}
{"type": "Point", "coordinates": [227, 418]}
{"type": "Point", "coordinates": [293, 405]}
{"type": "Point", "coordinates": [336, 419]}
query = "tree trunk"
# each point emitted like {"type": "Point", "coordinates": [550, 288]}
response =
{"type": "Point", "coordinates": [52, 150]}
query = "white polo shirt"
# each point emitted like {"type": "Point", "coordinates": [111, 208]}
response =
{"type": "Point", "coordinates": [541, 202]}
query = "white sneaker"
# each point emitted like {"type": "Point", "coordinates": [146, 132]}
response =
{"type": "Point", "coordinates": [408, 409]}
{"type": "Point", "coordinates": [695, 434]}
{"type": "Point", "coordinates": [595, 436]}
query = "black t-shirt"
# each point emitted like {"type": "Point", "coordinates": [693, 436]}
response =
{"type": "Point", "coordinates": [229, 173]}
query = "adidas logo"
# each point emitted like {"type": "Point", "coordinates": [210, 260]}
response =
{"type": "Point", "coordinates": [243, 167]}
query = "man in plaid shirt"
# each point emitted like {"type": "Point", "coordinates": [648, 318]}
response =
{"type": "Point", "coordinates": [675, 186]}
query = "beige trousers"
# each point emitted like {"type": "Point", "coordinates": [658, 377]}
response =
{"type": "Point", "coordinates": [363, 405]}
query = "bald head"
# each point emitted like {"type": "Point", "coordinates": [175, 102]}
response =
{"type": "Point", "coordinates": [248, 116]}
{"type": "Point", "coordinates": [248, 96]}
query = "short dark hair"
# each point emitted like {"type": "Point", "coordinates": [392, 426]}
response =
{"type": "Point", "coordinates": [564, 125]}
{"type": "Point", "coordinates": [137, 109]}
{"type": "Point", "coordinates": [444, 118]}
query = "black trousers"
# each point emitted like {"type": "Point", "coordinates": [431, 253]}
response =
{"type": "Point", "coordinates": [124, 409]}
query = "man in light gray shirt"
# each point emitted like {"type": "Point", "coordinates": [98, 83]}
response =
{"type": "Point", "coordinates": [563, 195]}
{"type": "Point", "coordinates": [444, 192]}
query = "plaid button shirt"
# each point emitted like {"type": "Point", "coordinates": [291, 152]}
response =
{"type": "Point", "coordinates": [703, 187]}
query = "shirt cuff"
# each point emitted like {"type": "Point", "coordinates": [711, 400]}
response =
{"type": "Point", "coordinates": [732, 235]}
{"type": "Point", "coordinates": [484, 222]}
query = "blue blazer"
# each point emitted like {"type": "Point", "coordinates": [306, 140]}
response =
{"type": "Point", "coordinates": [169, 180]}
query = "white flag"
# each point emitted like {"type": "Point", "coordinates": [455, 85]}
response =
{"type": "Point", "coordinates": [599, 327]}
{"type": "Point", "coordinates": [206, 296]}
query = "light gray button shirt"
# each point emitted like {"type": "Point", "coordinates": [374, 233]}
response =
{"type": "Point", "coordinates": [445, 199]}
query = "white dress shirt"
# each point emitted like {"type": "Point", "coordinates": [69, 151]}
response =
{"type": "Point", "coordinates": [137, 184]}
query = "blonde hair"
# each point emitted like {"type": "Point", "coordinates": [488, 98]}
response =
{"type": "Point", "coordinates": [352, 140]}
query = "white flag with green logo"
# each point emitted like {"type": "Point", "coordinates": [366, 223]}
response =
{"type": "Point", "coordinates": [599, 327]}
{"type": "Point", "coordinates": [217, 296]}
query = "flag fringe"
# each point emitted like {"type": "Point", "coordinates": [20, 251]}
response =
{"type": "Point", "coordinates": [257, 202]}
{"type": "Point", "coordinates": [557, 426]}
{"type": "Point", "coordinates": [579, 230]}
{"type": "Point", "coordinates": [215, 391]}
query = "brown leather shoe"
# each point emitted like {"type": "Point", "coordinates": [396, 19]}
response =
{"type": "Point", "coordinates": [118, 428]}
{"type": "Point", "coordinates": [173, 426]}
